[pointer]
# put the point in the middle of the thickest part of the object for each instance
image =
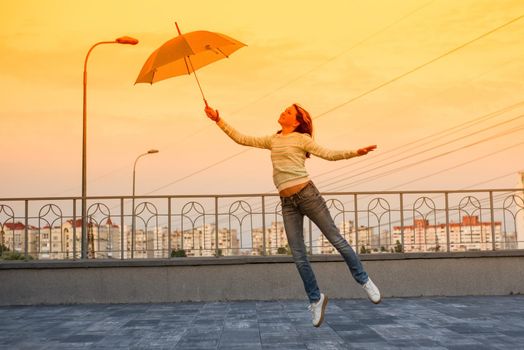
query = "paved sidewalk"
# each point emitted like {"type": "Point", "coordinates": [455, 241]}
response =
{"type": "Point", "coordinates": [407, 323]}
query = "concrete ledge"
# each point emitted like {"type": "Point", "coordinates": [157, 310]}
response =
{"type": "Point", "coordinates": [241, 260]}
{"type": "Point", "coordinates": [256, 278]}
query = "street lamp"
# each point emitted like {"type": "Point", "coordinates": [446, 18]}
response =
{"type": "Point", "coordinates": [122, 40]}
{"type": "Point", "coordinates": [151, 151]}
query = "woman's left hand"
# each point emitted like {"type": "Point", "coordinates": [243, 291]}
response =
{"type": "Point", "coordinates": [366, 150]}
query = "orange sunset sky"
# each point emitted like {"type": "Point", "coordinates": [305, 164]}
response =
{"type": "Point", "coordinates": [363, 69]}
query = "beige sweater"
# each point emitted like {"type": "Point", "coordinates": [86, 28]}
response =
{"type": "Point", "coordinates": [288, 153]}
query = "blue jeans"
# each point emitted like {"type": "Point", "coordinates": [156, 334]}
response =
{"type": "Point", "coordinates": [309, 202]}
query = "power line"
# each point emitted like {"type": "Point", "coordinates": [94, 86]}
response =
{"type": "Point", "coordinates": [490, 180]}
{"type": "Point", "coordinates": [418, 67]}
{"type": "Point", "coordinates": [456, 166]}
{"type": "Point", "coordinates": [199, 171]}
{"type": "Point", "coordinates": [388, 172]}
{"type": "Point", "coordinates": [427, 138]}
{"type": "Point", "coordinates": [396, 149]}
{"type": "Point", "coordinates": [432, 148]}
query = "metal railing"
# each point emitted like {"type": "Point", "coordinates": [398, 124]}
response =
{"type": "Point", "coordinates": [251, 224]}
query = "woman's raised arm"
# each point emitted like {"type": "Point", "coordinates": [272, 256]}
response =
{"type": "Point", "coordinates": [241, 139]}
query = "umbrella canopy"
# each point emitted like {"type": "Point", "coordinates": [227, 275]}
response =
{"type": "Point", "coordinates": [185, 54]}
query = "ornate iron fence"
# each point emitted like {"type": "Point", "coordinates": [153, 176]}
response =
{"type": "Point", "coordinates": [251, 224]}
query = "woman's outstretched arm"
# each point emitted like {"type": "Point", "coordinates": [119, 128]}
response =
{"type": "Point", "coordinates": [259, 142]}
{"type": "Point", "coordinates": [312, 147]}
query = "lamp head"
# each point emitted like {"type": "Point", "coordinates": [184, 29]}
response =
{"type": "Point", "coordinates": [127, 40]}
{"type": "Point", "coordinates": [152, 151]}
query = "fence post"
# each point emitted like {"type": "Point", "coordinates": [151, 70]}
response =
{"type": "Point", "coordinates": [169, 249]}
{"type": "Point", "coordinates": [122, 228]}
{"type": "Point", "coordinates": [26, 231]}
{"type": "Point", "coordinates": [356, 222]}
{"type": "Point", "coordinates": [448, 244]}
{"type": "Point", "coordinates": [492, 212]}
{"type": "Point", "coordinates": [402, 222]}
{"type": "Point", "coordinates": [74, 229]}
{"type": "Point", "coordinates": [84, 232]}
{"type": "Point", "coordinates": [216, 227]}
{"type": "Point", "coordinates": [264, 252]}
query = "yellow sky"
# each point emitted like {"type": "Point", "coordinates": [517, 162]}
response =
{"type": "Point", "coordinates": [321, 55]}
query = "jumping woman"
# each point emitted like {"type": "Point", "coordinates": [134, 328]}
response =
{"type": "Point", "coordinates": [289, 149]}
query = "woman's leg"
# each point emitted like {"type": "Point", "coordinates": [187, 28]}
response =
{"type": "Point", "coordinates": [294, 223]}
{"type": "Point", "coordinates": [313, 205]}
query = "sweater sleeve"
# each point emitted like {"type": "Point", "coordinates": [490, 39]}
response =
{"type": "Point", "coordinates": [312, 147]}
{"type": "Point", "coordinates": [241, 139]}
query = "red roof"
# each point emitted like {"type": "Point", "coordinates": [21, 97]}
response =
{"type": "Point", "coordinates": [466, 221]}
{"type": "Point", "coordinates": [78, 223]}
{"type": "Point", "coordinates": [14, 226]}
{"type": "Point", "coordinates": [18, 226]}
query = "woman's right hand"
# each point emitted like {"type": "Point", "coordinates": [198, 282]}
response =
{"type": "Point", "coordinates": [212, 114]}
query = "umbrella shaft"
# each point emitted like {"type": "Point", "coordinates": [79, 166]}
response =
{"type": "Point", "coordinates": [198, 82]}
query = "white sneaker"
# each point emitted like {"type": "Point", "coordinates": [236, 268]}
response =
{"type": "Point", "coordinates": [372, 291]}
{"type": "Point", "coordinates": [317, 310]}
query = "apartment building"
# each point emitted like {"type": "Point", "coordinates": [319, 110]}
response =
{"type": "Point", "coordinates": [468, 235]}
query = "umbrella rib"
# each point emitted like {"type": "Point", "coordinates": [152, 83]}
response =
{"type": "Point", "coordinates": [153, 77]}
{"type": "Point", "coordinates": [226, 56]}
{"type": "Point", "coordinates": [187, 67]}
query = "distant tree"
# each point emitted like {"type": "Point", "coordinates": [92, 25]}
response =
{"type": "Point", "coordinates": [364, 250]}
{"type": "Point", "coordinates": [437, 246]}
{"type": "Point", "coordinates": [398, 247]}
{"type": "Point", "coordinates": [281, 250]}
{"type": "Point", "coordinates": [178, 253]}
{"type": "Point", "coordinates": [14, 255]}
{"type": "Point", "coordinates": [220, 253]}
{"type": "Point", "coordinates": [383, 249]}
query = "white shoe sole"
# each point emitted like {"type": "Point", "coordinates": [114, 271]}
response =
{"type": "Point", "coordinates": [376, 302]}
{"type": "Point", "coordinates": [324, 304]}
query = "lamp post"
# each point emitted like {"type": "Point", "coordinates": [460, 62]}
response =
{"type": "Point", "coordinates": [133, 227]}
{"type": "Point", "coordinates": [122, 40]}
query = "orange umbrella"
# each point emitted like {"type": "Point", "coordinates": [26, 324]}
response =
{"type": "Point", "coordinates": [185, 54]}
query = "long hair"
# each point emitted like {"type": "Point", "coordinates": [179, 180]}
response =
{"type": "Point", "coordinates": [306, 123]}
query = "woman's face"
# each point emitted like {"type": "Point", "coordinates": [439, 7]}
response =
{"type": "Point", "coordinates": [288, 118]}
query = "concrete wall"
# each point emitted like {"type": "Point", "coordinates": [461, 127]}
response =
{"type": "Point", "coordinates": [256, 278]}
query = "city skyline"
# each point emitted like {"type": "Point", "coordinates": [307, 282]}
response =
{"type": "Point", "coordinates": [104, 239]}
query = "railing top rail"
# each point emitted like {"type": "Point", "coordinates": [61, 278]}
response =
{"type": "Point", "coordinates": [267, 194]}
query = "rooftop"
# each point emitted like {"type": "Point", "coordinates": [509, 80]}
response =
{"type": "Point", "coordinates": [494, 322]}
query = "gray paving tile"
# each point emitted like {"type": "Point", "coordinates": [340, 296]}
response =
{"type": "Point", "coordinates": [241, 324]}
{"type": "Point", "coordinates": [284, 347]}
{"type": "Point", "coordinates": [280, 339]}
{"type": "Point", "coordinates": [325, 345]}
{"type": "Point", "coordinates": [240, 336]}
{"type": "Point", "coordinates": [246, 346]}
{"type": "Point", "coordinates": [374, 345]}
{"type": "Point", "coordinates": [397, 323]}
